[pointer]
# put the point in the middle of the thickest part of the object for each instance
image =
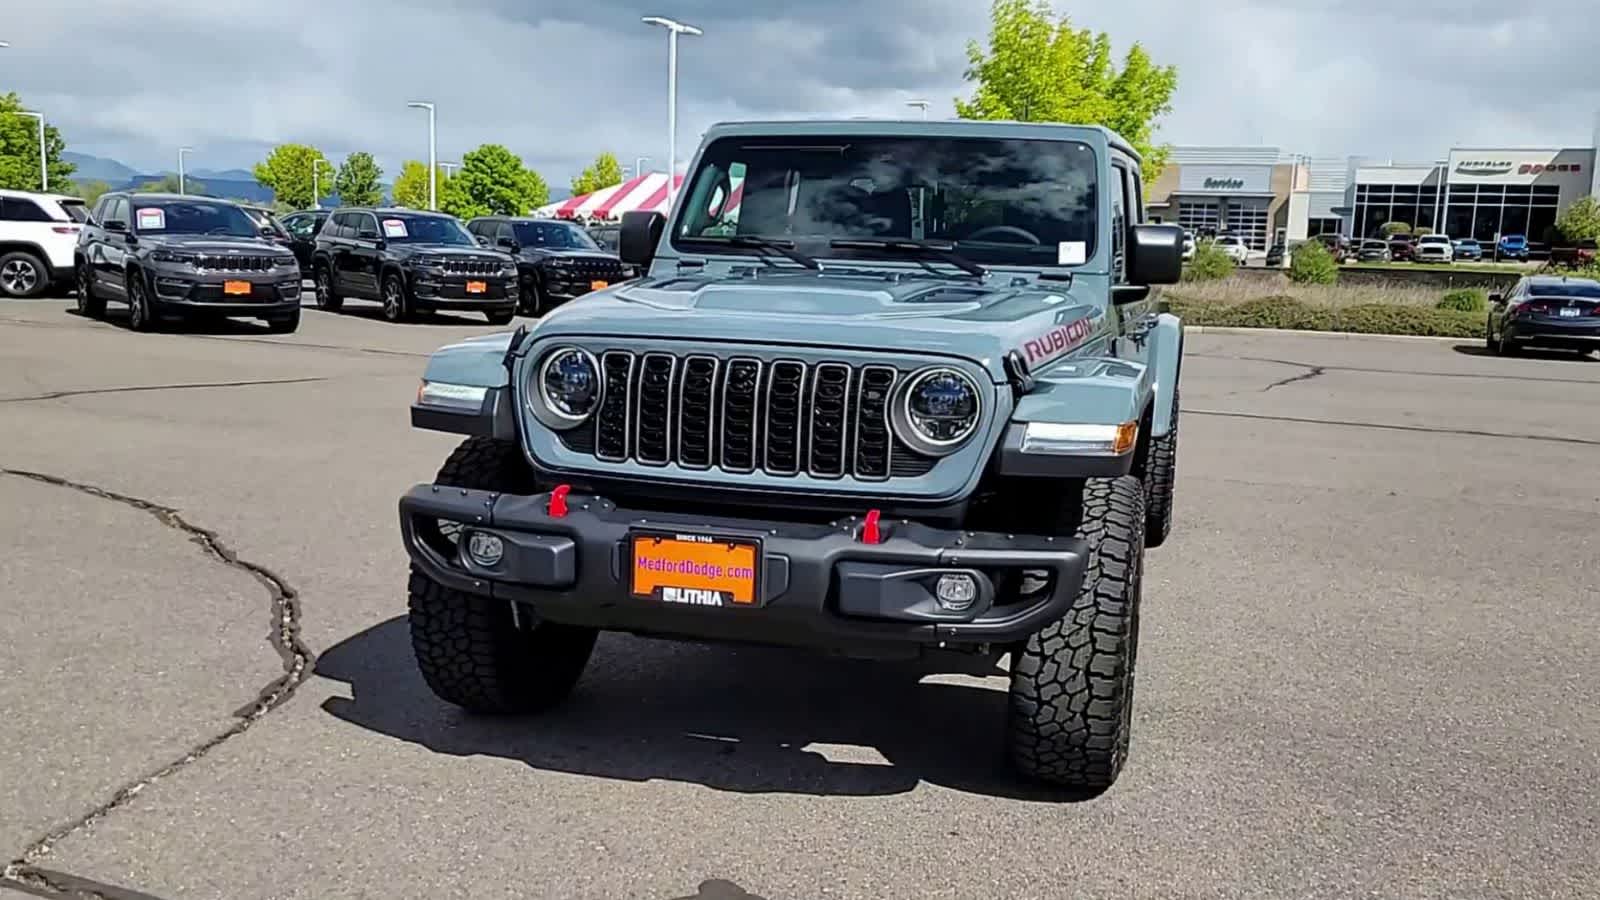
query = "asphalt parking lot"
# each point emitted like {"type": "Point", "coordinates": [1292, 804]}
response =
{"type": "Point", "coordinates": [1368, 667]}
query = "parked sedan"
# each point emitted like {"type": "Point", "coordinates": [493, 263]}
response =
{"type": "Point", "coordinates": [1434, 248]}
{"type": "Point", "coordinates": [1513, 246]}
{"type": "Point", "coordinates": [1467, 248]}
{"type": "Point", "coordinates": [1234, 246]}
{"type": "Point", "coordinates": [1402, 247]}
{"type": "Point", "coordinates": [1374, 251]}
{"type": "Point", "coordinates": [1545, 311]}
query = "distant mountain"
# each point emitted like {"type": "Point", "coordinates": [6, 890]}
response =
{"type": "Point", "coordinates": [225, 174]}
{"type": "Point", "coordinates": [97, 168]}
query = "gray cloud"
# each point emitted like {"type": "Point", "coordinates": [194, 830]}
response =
{"type": "Point", "coordinates": [134, 80]}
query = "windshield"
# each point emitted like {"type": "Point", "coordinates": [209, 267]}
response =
{"type": "Point", "coordinates": [413, 229]}
{"type": "Point", "coordinates": [75, 210]}
{"type": "Point", "coordinates": [553, 236]}
{"type": "Point", "coordinates": [1004, 202]}
{"type": "Point", "coordinates": [191, 217]}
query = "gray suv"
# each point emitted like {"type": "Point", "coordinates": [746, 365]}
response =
{"type": "Point", "coordinates": [886, 389]}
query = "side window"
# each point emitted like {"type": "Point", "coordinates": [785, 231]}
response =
{"type": "Point", "coordinates": [21, 209]}
{"type": "Point", "coordinates": [335, 226]}
{"type": "Point", "coordinates": [367, 222]}
{"type": "Point", "coordinates": [100, 208]}
{"type": "Point", "coordinates": [475, 228]}
{"type": "Point", "coordinates": [118, 211]}
{"type": "Point", "coordinates": [1119, 223]}
{"type": "Point", "coordinates": [503, 233]}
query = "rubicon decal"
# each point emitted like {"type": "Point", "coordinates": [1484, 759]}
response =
{"type": "Point", "coordinates": [1059, 340]}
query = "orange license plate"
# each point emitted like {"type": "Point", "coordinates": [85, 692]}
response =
{"type": "Point", "coordinates": [236, 288]}
{"type": "Point", "coordinates": [695, 569]}
{"type": "Point", "coordinates": [599, 285]}
{"type": "Point", "coordinates": [477, 287]}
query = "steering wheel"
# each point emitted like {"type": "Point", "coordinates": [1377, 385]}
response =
{"type": "Point", "coordinates": [1027, 236]}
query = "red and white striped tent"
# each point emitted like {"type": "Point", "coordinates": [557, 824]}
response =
{"type": "Point", "coordinates": [647, 193]}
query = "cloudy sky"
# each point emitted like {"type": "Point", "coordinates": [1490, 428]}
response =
{"type": "Point", "coordinates": [558, 83]}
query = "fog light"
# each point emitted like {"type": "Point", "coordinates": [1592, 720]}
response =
{"type": "Point", "coordinates": [956, 592]}
{"type": "Point", "coordinates": [485, 549]}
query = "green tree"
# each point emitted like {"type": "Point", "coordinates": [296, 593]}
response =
{"type": "Point", "coordinates": [1581, 221]}
{"type": "Point", "coordinates": [89, 191]}
{"type": "Point", "coordinates": [411, 185]}
{"type": "Point", "coordinates": [168, 184]}
{"type": "Point", "coordinates": [287, 173]}
{"type": "Point", "coordinates": [357, 181]}
{"type": "Point", "coordinates": [492, 181]}
{"type": "Point", "coordinates": [1389, 228]}
{"type": "Point", "coordinates": [1311, 263]}
{"type": "Point", "coordinates": [1038, 68]}
{"type": "Point", "coordinates": [19, 149]}
{"type": "Point", "coordinates": [604, 172]}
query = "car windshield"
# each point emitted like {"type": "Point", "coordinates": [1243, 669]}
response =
{"type": "Point", "coordinates": [1435, 239]}
{"type": "Point", "coordinates": [192, 217]}
{"type": "Point", "coordinates": [1374, 245]}
{"type": "Point", "coordinates": [553, 236]}
{"type": "Point", "coordinates": [405, 228]}
{"type": "Point", "coordinates": [1004, 202]}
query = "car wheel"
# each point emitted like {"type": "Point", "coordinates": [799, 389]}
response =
{"type": "Point", "coordinates": [500, 317]}
{"type": "Point", "coordinates": [1160, 482]}
{"type": "Point", "coordinates": [88, 304]}
{"type": "Point", "coordinates": [475, 652]}
{"type": "Point", "coordinates": [532, 301]}
{"type": "Point", "coordinates": [1490, 339]}
{"type": "Point", "coordinates": [284, 324]}
{"type": "Point", "coordinates": [327, 297]}
{"type": "Point", "coordinates": [1071, 697]}
{"type": "Point", "coordinates": [141, 317]}
{"type": "Point", "coordinates": [22, 275]}
{"type": "Point", "coordinates": [396, 306]}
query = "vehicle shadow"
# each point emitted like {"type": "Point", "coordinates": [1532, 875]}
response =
{"type": "Point", "coordinates": [373, 312]}
{"type": "Point", "coordinates": [1567, 356]}
{"type": "Point", "coordinates": [744, 720]}
{"type": "Point", "coordinates": [118, 316]}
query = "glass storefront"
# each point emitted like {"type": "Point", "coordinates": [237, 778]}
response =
{"type": "Point", "coordinates": [1413, 204]}
{"type": "Point", "coordinates": [1481, 211]}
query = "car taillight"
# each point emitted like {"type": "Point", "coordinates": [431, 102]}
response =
{"type": "Point", "coordinates": [1528, 309]}
{"type": "Point", "coordinates": [64, 229]}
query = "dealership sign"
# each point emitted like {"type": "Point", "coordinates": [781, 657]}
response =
{"type": "Point", "coordinates": [1518, 167]}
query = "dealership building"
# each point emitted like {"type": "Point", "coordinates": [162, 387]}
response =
{"type": "Point", "coordinates": [1263, 193]}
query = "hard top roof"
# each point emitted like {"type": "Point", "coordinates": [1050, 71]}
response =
{"type": "Point", "coordinates": [1048, 131]}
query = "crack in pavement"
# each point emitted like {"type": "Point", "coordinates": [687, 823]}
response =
{"type": "Point", "coordinates": [1376, 371]}
{"type": "Point", "coordinates": [1314, 372]}
{"type": "Point", "coordinates": [86, 392]}
{"type": "Point", "coordinates": [298, 661]}
{"type": "Point", "coordinates": [49, 883]}
{"type": "Point", "coordinates": [1424, 429]}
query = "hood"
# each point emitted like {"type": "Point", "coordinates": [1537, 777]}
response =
{"type": "Point", "coordinates": [600, 255]}
{"type": "Point", "coordinates": [981, 322]}
{"type": "Point", "coordinates": [211, 243]}
{"type": "Point", "coordinates": [471, 250]}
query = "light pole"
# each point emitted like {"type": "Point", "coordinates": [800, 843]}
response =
{"type": "Point", "coordinates": [316, 188]}
{"type": "Point", "coordinates": [44, 163]}
{"type": "Point", "coordinates": [638, 166]}
{"type": "Point", "coordinates": [674, 28]}
{"type": "Point", "coordinates": [181, 152]}
{"type": "Point", "coordinates": [433, 152]}
{"type": "Point", "coordinates": [920, 104]}
{"type": "Point", "coordinates": [449, 168]}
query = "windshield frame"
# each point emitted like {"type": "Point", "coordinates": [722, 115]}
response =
{"type": "Point", "coordinates": [1103, 185]}
{"type": "Point", "coordinates": [135, 205]}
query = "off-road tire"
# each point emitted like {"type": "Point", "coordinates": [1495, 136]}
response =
{"type": "Point", "coordinates": [23, 275]}
{"type": "Point", "coordinates": [327, 291]}
{"type": "Point", "coordinates": [500, 318]}
{"type": "Point", "coordinates": [89, 305]}
{"type": "Point", "coordinates": [472, 650]}
{"type": "Point", "coordinates": [1072, 681]}
{"type": "Point", "coordinates": [1160, 482]}
{"type": "Point", "coordinates": [284, 324]}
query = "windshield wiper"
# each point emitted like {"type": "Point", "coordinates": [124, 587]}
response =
{"type": "Point", "coordinates": [934, 249]}
{"type": "Point", "coordinates": [774, 245]}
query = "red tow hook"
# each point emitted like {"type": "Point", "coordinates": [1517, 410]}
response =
{"type": "Point", "coordinates": [558, 501]}
{"type": "Point", "coordinates": [870, 533]}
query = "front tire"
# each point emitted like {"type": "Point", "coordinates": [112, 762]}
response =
{"type": "Point", "coordinates": [500, 318]}
{"type": "Point", "coordinates": [396, 305]}
{"type": "Point", "coordinates": [22, 275]}
{"type": "Point", "coordinates": [327, 296]}
{"type": "Point", "coordinates": [473, 651]}
{"type": "Point", "coordinates": [1072, 681]}
{"type": "Point", "coordinates": [141, 315]}
{"type": "Point", "coordinates": [89, 305]}
{"type": "Point", "coordinates": [284, 324]}
{"type": "Point", "coordinates": [1160, 482]}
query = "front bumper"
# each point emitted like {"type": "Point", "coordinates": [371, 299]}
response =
{"type": "Point", "coordinates": [276, 291]}
{"type": "Point", "coordinates": [820, 586]}
{"type": "Point", "coordinates": [560, 284]}
{"type": "Point", "coordinates": [451, 292]}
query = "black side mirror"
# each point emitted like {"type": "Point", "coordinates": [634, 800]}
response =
{"type": "Point", "coordinates": [367, 234]}
{"type": "Point", "coordinates": [482, 241]}
{"type": "Point", "coordinates": [640, 235]}
{"type": "Point", "coordinates": [510, 245]}
{"type": "Point", "coordinates": [1155, 254]}
{"type": "Point", "coordinates": [1497, 298]}
{"type": "Point", "coordinates": [120, 227]}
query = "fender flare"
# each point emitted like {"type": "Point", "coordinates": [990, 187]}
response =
{"type": "Point", "coordinates": [1166, 365]}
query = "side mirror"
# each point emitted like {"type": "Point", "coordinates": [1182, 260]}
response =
{"type": "Point", "coordinates": [1497, 298]}
{"type": "Point", "coordinates": [268, 231]}
{"type": "Point", "coordinates": [119, 227]}
{"type": "Point", "coordinates": [1155, 254]}
{"type": "Point", "coordinates": [482, 241]}
{"type": "Point", "coordinates": [367, 234]}
{"type": "Point", "coordinates": [641, 234]}
{"type": "Point", "coordinates": [510, 245]}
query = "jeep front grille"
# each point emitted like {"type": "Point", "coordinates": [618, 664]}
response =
{"type": "Point", "coordinates": [217, 262]}
{"type": "Point", "coordinates": [471, 266]}
{"type": "Point", "coordinates": [742, 414]}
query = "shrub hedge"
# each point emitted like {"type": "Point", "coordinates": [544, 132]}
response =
{"type": "Point", "coordinates": [1210, 263]}
{"type": "Point", "coordinates": [1364, 318]}
{"type": "Point", "coordinates": [1464, 300]}
{"type": "Point", "coordinates": [1311, 263]}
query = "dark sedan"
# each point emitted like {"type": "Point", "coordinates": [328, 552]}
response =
{"type": "Point", "coordinates": [1545, 311]}
{"type": "Point", "coordinates": [1467, 248]}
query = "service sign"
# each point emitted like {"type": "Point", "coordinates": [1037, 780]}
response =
{"type": "Point", "coordinates": [1224, 179]}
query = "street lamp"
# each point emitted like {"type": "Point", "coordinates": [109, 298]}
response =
{"type": "Point", "coordinates": [920, 104]}
{"type": "Point", "coordinates": [638, 166]}
{"type": "Point", "coordinates": [44, 162]}
{"type": "Point", "coordinates": [181, 152]}
{"type": "Point", "coordinates": [316, 189]}
{"type": "Point", "coordinates": [433, 152]}
{"type": "Point", "coordinates": [449, 168]}
{"type": "Point", "coordinates": [674, 29]}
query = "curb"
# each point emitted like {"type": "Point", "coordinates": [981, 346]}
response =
{"type": "Point", "coordinates": [1336, 335]}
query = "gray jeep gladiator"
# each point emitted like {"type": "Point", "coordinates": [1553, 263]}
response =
{"type": "Point", "coordinates": [885, 389]}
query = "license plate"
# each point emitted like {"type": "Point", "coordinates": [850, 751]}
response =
{"type": "Point", "coordinates": [236, 288]}
{"type": "Point", "coordinates": [477, 287]}
{"type": "Point", "coordinates": [1570, 312]}
{"type": "Point", "coordinates": [599, 285]}
{"type": "Point", "coordinates": [694, 569]}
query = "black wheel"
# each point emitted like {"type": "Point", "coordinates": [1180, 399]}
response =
{"type": "Point", "coordinates": [1160, 481]}
{"type": "Point", "coordinates": [141, 316]}
{"type": "Point", "coordinates": [1072, 681]}
{"type": "Point", "coordinates": [88, 304]}
{"type": "Point", "coordinates": [532, 303]}
{"type": "Point", "coordinates": [500, 318]}
{"type": "Point", "coordinates": [476, 652]}
{"type": "Point", "coordinates": [1490, 339]}
{"type": "Point", "coordinates": [284, 324]}
{"type": "Point", "coordinates": [327, 296]}
{"type": "Point", "coordinates": [396, 305]}
{"type": "Point", "coordinates": [22, 275]}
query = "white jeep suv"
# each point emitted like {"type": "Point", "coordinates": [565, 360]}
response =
{"type": "Point", "coordinates": [38, 233]}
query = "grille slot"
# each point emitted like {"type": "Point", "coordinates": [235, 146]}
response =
{"type": "Point", "coordinates": [697, 416]}
{"type": "Point", "coordinates": [830, 419]}
{"type": "Point", "coordinates": [874, 442]}
{"type": "Point", "coordinates": [653, 440]}
{"type": "Point", "coordinates": [212, 262]}
{"type": "Point", "coordinates": [611, 420]}
{"type": "Point", "coordinates": [785, 405]}
{"type": "Point", "coordinates": [470, 267]}
{"type": "Point", "coordinates": [741, 391]}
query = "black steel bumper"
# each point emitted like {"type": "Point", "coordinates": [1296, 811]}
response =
{"type": "Point", "coordinates": [820, 586]}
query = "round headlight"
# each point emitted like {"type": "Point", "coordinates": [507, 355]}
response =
{"type": "Point", "coordinates": [938, 410]}
{"type": "Point", "coordinates": [568, 384]}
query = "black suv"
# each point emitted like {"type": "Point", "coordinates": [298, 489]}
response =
{"type": "Point", "coordinates": [409, 261]}
{"type": "Point", "coordinates": [170, 256]}
{"type": "Point", "coordinates": [558, 260]}
{"type": "Point", "coordinates": [303, 228]}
